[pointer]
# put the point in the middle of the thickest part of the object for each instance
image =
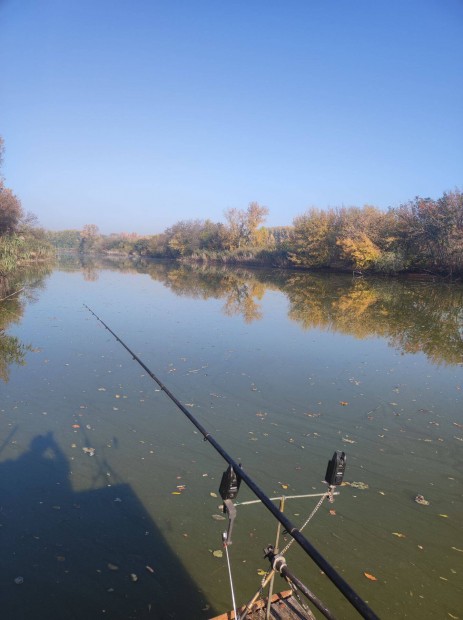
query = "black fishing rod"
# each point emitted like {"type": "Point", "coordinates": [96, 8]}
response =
{"type": "Point", "coordinates": [342, 585]}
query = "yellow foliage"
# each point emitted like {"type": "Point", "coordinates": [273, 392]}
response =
{"type": "Point", "coordinates": [360, 250]}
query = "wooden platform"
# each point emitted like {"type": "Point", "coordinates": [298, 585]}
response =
{"type": "Point", "coordinates": [284, 607]}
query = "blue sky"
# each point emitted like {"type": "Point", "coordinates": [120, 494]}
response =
{"type": "Point", "coordinates": [135, 114]}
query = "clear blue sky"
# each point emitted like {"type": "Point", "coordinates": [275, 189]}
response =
{"type": "Point", "coordinates": [134, 114]}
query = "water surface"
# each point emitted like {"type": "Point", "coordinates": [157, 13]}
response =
{"type": "Point", "coordinates": [283, 368]}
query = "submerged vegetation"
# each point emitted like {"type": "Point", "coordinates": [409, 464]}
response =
{"type": "Point", "coordinates": [422, 234]}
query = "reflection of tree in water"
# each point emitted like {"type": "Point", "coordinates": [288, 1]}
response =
{"type": "Point", "coordinates": [238, 286]}
{"type": "Point", "coordinates": [76, 551]}
{"type": "Point", "coordinates": [240, 301]}
{"type": "Point", "coordinates": [14, 291]}
{"type": "Point", "coordinates": [12, 351]}
{"type": "Point", "coordinates": [414, 317]}
{"type": "Point", "coordinates": [92, 263]}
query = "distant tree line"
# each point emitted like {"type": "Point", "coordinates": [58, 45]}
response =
{"type": "Point", "coordinates": [420, 234]}
{"type": "Point", "coordinates": [21, 240]}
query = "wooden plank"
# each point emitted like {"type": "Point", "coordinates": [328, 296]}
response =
{"type": "Point", "coordinates": [283, 607]}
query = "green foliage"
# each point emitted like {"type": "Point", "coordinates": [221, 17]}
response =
{"type": "Point", "coordinates": [12, 351]}
{"type": "Point", "coordinates": [10, 250]}
{"type": "Point", "coordinates": [20, 240]}
{"type": "Point", "coordinates": [67, 240]}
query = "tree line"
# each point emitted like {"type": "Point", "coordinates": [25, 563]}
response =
{"type": "Point", "coordinates": [21, 239]}
{"type": "Point", "coordinates": [422, 233]}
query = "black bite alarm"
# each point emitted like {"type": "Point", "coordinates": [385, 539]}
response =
{"type": "Point", "coordinates": [335, 470]}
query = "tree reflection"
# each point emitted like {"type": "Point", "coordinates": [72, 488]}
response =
{"type": "Point", "coordinates": [14, 292]}
{"type": "Point", "coordinates": [412, 316]}
{"type": "Point", "coordinates": [240, 289]}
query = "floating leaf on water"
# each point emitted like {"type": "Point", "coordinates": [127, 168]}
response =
{"type": "Point", "coordinates": [419, 499]}
{"type": "Point", "coordinates": [347, 440]}
{"type": "Point", "coordinates": [261, 572]}
{"type": "Point", "coordinates": [218, 517]}
{"type": "Point", "coordinates": [284, 486]}
{"type": "Point", "coordinates": [398, 534]}
{"type": "Point", "coordinates": [381, 492]}
{"type": "Point", "coordinates": [75, 426]}
{"type": "Point", "coordinates": [332, 512]}
{"type": "Point", "coordinates": [218, 553]}
{"type": "Point", "coordinates": [212, 494]}
{"type": "Point", "coordinates": [133, 577]}
{"type": "Point", "coordinates": [359, 485]}
{"type": "Point", "coordinates": [175, 493]}
{"type": "Point", "coordinates": [112, 566]}
{"type": "Point", "coordinates": [444, 516]}
{"type": "Point", "coordinates": [370, 577]}
{"type": "Point", "coordinates": [149, 569]}
{"type": "Point", "coordinates": [343, 403]}
{"type": "Point", "coordinates": [19, 580]}
{"type": "Point", "coordinates": [456, 549]}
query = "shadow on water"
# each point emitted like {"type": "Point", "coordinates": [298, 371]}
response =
{"type": "Point", "coordinates": [68, 554]}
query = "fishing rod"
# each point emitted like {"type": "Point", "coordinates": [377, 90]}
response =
{"type": "Point", "coordinates": [342, 585]}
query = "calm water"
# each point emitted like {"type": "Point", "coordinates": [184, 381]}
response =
{"type": "Point", "coordinates": [283, 368]}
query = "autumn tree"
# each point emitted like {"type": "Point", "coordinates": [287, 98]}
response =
{"type": "Point", "coordinates": [431, 231]}
{"type": "Point", "coordinates": [88, 238]}
{"type": "Point", "coordinates": [359, 250]}
{"type": "Point", "coordinates": [313, 238]}
{"type": "Point", "coordinates": [242, 225]}
{"type": "Point", "coordinates": [10, 206]}
{"type": "Point", "coordinates": [10, 210]}
{"type": "Point", "coordinates": [363, 235]}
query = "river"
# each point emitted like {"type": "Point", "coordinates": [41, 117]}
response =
{"type": "Point", "coordinates": [283, 368]}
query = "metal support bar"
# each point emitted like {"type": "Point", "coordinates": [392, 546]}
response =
{"type": "Point", "coordinates": [231, 512]}
{"type": "Point", "coordinates": [278, 563]}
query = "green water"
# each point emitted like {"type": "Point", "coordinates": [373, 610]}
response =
{"type": "Point", "coordinates": [264, 360]}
